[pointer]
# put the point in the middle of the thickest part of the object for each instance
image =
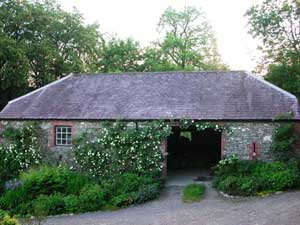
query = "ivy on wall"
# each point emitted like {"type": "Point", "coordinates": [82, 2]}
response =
{"type": "Point", "coordinates": [284, 140]}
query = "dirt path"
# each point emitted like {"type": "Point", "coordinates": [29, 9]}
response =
{"type": "Point", "coordinates": [280, 209]}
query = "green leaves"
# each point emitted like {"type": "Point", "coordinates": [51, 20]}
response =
{"type": "Point", "coordinates": [276, 24]}
{"type": "Point", "coordinates": [284, 140]}
{"type": "Point", "coordinates": [14, 68]}
{"type": "Point", "coordinates": [39, 43]}
{"type": "Point", "coordinates": [118, 149]}
{"type": "Point", "coordinates": [20, 150]}
{"type": "Point", "coordinates": [189, 41]}
{"type": "Point", "coordinates": [121, 56]}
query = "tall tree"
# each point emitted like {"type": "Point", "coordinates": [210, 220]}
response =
{"type": "Point", "coordinates": [14, 67]}
{"type": "Point", "coordinates": [276, 24]}
{"type": "Point", "coordinates": [156, 60]}
{"type": "Point", "coordinates": [188, 40]}
{"type": "Point", "coordinates": [51, 42]}
{"type": "Point", "coordinates": [121, 56]}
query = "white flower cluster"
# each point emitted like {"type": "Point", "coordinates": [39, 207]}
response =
{"type": "Point", "coordinates": [200, 126]}
{"type": "Point", "coordinates": [117, 149]}
{"type": "Point", "coordinates": [21, 152]}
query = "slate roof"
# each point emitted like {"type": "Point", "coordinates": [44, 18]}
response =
{"type": "Point", "coordinates": [232, 95]}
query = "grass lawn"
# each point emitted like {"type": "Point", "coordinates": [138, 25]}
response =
{"type": "Point", "coordinates": [193, 193]}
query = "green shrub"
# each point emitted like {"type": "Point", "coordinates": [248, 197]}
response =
{"type": "Point", "coordinates": [91, 198]}
{"type": "Point", "coordinates": [284, 138]}
{"type": "Point", "coordinates": [48, 205]}
{"type": "Point", "coordinates": [47, 179]}
{"type": "Point", "coordinates": [72, 204]}
{"type": "Point", "coordinates": [233, 165]}
{"type": "Point", "coordinates": [130, 188]}
{"type": "Point", "coordinates": [146, 192]}
{"type": "Point", "coordinates": [122, 200]}
{"type": "Point", "coordinates": [50, 191]}
{"type": "Point", "coordinates": [12, 200]}
{"type": "Point", "coordinates": [244, 178]}
{"type": "Point", "coordinates": [277, 176]}
{"type": "Point", "coordinates": [43, 181]}
{"type": "Point", "coordinates": [193, 192]}
{"type": "Point", "coordinates": [125, 183]}
{"type": "Point", "coordinates": [5, 219]}
{"type": "Point", "coordinates": [241, 186]}
{"type": "Point", "coordinates": [129, 182]}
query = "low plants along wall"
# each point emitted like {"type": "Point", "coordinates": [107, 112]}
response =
{"type": "Point", "coordinates": [249, 178]}
{"type": "Point", "coordinates": [56, 190]}
{"type": "Point", "coordinates": [116, 166]}
{"type": "Point", "coordinates": [246, 178]}
{"type": "Point", "coordinates": [5, 219]}
{"type": "Point", "coordinates": [116, 149]}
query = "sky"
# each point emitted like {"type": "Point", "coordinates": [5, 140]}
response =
{"type": "Point", "coordinates": [138, 19]}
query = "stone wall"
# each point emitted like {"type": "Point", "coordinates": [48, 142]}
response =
{"type": "Point", "coordinates": [55, 154]}
{"type": "Point", "coordinates": [241, 135]}
{"type": "Point", "coordinates": [236, 140]}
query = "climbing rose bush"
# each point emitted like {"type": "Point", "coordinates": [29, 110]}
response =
{"type": "Point", "coordinates": [19, 151]}
{"type": "Point", "coordinates": [116, 149]}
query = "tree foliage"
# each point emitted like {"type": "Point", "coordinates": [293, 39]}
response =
{"type": "Point", "coordinates": [14, 67]}
{"type": "Point", "coordinates": [40, 43]}
{"type": "Point", "coordinates": [189, 41]}
{"type": "Point", "coordinates": [276, 24]}
{"type": "Point", "coordinates": [121, 55]}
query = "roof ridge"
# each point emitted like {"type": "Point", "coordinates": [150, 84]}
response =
{"type": "Point", "coordinates": [41, 88]}
{"type": "Point", "coordinates": [158, 72]}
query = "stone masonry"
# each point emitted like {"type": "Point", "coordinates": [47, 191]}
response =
{"type": "Point", "coordinates": [237, 140]}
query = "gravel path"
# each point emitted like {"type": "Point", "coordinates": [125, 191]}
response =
{"type": "Point", "coordinates": [214, 209]}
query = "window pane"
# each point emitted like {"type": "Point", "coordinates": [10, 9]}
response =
{"type": "Point", "coordinates": [63, 135]}
{"type": "Point", "coordinates": [58, 141]}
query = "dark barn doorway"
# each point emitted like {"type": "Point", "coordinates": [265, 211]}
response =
{"type": "Point", "coordinates": [189, 149]}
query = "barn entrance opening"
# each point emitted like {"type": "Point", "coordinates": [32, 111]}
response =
{"type": "Point", "coordinates": [192, 149]}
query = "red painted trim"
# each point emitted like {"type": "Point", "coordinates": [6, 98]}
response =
{"type": "Point", "coordinates": [223, 143]}
{"type": "Point", "coordinates": [254, 151]}
{"type": "Point", "coordinates": [55, 123]}
{"type": "Point", "coordinates": [257, 150]}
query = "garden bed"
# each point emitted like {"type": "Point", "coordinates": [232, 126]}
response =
{"type": "Point", "coordinates": [58, 190]}
{"type": "Point", "coordinates": [254, 178]}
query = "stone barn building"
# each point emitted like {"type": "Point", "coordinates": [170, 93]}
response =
{"type": "Point", "coordinates": [238, 100]}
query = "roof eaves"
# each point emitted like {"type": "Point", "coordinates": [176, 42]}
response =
{"type": "Point", "coordinates": [41, 88]}
{"type": "Point", "coordinates": [271, 85]}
